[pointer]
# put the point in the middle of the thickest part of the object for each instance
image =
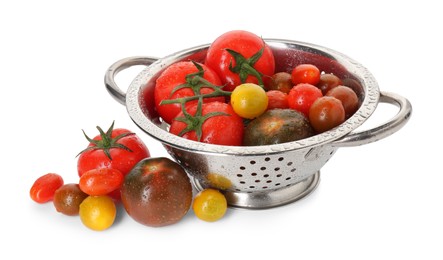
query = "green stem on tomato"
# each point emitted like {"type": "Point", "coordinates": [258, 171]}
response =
{"type": "Point", "coordinates": [245, 67]}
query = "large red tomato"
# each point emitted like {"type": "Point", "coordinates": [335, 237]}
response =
{"type": "Point", "coordinates": [117, 149]}
{"type": "Point", "coordinates": [214, 123]}
{"type": "Point", "coordinates": [183, 79]}
{"type": "Point", "coordinates": [241, 57]}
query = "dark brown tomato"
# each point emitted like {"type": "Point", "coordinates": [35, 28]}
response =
{"type": "Point", "coordinates": [356, 86]}
{"type": "Point", "coordinates": [67, 199]}
{"type": "Point", "coordinates": [277, 126]}
{"type": "Point", "coordinates": [327, 82]}
{"type": "Point", "coordinates": [157, 192]}
{"type": "Point", "coordinates": [347, 97]}
{"type": "Point", "coordinates": [281, 81]}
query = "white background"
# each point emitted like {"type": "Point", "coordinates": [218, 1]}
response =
{"type": "Point", "coordinates": [377, 201]}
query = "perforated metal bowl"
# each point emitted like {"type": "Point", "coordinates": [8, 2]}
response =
{"type": "Point", "coordinates": [258, 177]}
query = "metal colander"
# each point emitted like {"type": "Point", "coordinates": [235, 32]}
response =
{"type": "Point", "coordinates": [258, 177]}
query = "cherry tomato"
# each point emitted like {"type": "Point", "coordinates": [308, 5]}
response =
{"type": "Point", "coordinates": [67, 199]}
{"type": "Point", "coordinates": [302, 96]}
{"type": "Point", "coordinates": [217, 124]}
{"type": "Point", "coordinates": [356, 86]}
{"type": "Point", "coordinates": [305, 73]}
{"type": "Point", "coordinates": [347, 97]}
{"type": "Point", "coordinates": [97, 212]}
{"type": "Point", "coordinates": [327, 82]}
{"type": "Point", "coordinates": [117, 149]}
{"type": "Point", "coordinates": [101, 181]}
{"type": "Point", "coordinates": [249, 100]}
{"type": "Point", "coordinates": [44, 187]}
{"type": "Point", "coordinates": [252, 63]}
{"type": "Point", "coordinates": [209, 205]}
{"type": "Point", "coordinates": [281, 81]}
{"type": "Point", "coordinates": [277, 99]}
{"type": "Point", "coordinates": [326, 113]}
{"type": "Point", "coordinates": [183, 74]}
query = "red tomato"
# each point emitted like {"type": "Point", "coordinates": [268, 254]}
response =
{"type": "Point", "coordinates": [305, 73]}
{"type": "Point", "coordinates": [224, 127]}
{"type": "Point", "coordinates": [302, 96]}
{"type": "Point", "coordinates": [176, 75]}
{"type": "Point", "coordinates": [277, 99]}
{"type": "Point", "coordinates": [44, 187]}
{"type": "Point", "coordinates": [326, 113]}
{"type": "Point", "coordinates": [100, 181]}
{"type": "Point", "coordinates": [254, 63]}
{"type": "Point", "coordinates": [117, 149]}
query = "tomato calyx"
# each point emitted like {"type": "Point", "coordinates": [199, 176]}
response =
{"type": "Point", "coordinates": [195, 122]}
{"type": "Point", "coordinates": [196, 82]}
{"type": "Point", "coordinates": [245, 67]}
{"type": "Point", "coordinates": [107, 142]}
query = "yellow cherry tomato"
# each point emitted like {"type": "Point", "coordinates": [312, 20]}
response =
{"type": "Point", "coordinates": [249, 100]}
{"type": "Point", "coordinates": [209, 205]}
{"type": "Point", "coordinates": [97, 212]}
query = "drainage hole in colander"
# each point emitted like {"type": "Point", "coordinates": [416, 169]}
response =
{"type": "Point", "coordinates": [267, 159]}
{"type": "Point", "coordinates": [242, 168]}
{"type": "Point", "coordinates": [277, 169]}
{"type": "Point", "coordinates": [293, 170]}
{"type": "Point", "coordinates": [262, 168]}
{"type": "Point", "coordinates": [279, 175]}
{"type": "Point", "coordinates": [268, 181]}
{"type": "Point", "coordinates": [277, 184]}
{"type": "Point", "coordinates": [254, 174]}
{"type": "Point", "coordinates": [252, 187]}
{"type": "Point", "coordinates": [239, 175]}
{"type": "Point", "coordinates": [281, 159]}
{"type": "Point", "coordinates": [288, 178]}
{"type": "Point", "coordinates": [289, 163]}
{"type": "Point", "coordinates": [264, 187]}
{"type": "Point", "coordinates": [266, 176]}
{"type": "Point", "coordinates": [242, 182]}
{"type": "Point", "coordinates": [252, 162]}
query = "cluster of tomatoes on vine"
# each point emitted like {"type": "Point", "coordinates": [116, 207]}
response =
{"type": "Point", "coordinates": [215, 100]}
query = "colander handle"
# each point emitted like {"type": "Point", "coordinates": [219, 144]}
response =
{"type": "Point", "coordinates": [118, 66]}
{"type": "Point", "coordinates": [384, 130]}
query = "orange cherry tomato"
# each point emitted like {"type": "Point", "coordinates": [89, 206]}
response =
{"type": "Point", "coordinates": [101, 181]}
{"type": "Point", "coordinates": [44, 187]}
